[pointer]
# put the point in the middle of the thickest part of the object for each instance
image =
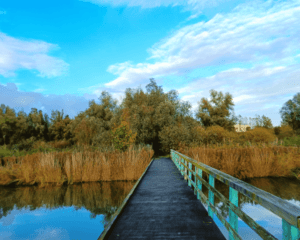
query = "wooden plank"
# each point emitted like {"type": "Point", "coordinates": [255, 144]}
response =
{"type": "Point", "coordinates": [120, 209]}
{"type": "Point", "coordinates": [163, 206]}
{"type": "Point", "coordinates": [278, 206]}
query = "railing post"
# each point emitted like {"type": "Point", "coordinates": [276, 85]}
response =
{"type": "Point", "coordinates": [195, 181]}
{"type": "Point", "coordinates": [190, 175]}
{"type": "Point", "coordinates": [182, 167]}
{"type": "Point", "coordinates": [199, 183]}
{"type": "Point", "coordinates": [185, 170]}
{"type": "Point", "coordinates": [233, 218]}
{"type": "Point", "coordinates": [211, 196]}
{"type": "Point", "coordinates": [289, 232]}
{"type": "Point", "coordinates": [175, 160]}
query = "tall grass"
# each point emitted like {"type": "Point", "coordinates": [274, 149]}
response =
{"type": "Point", "coordinates": [85, 165]}
{"type": "Point", "coordinates": [88, 164]}
{"type": "Point", "coordinates": [244, 162]}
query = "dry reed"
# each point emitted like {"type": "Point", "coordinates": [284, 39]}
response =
{"type": "Point", "coordinates": [86, 166]}
{"type": "Point", "coordinates": [248, 162]}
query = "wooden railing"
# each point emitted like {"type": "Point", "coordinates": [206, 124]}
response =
{"type": "Point", "coordinates": [289, 213]}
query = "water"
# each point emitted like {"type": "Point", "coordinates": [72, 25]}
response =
{"type": "Point", "coordinates": [80, 211]}
{"type": "Point", "coordinates": [59, 212]}
{"type": "Point", "coordinates": [284, 188]}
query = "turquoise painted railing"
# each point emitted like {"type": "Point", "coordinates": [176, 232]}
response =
{"type": "Point", "coordinates": [289, 213]}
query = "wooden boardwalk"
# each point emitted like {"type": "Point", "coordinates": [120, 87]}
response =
{"type": "Point", "coordinates": [163, 206]}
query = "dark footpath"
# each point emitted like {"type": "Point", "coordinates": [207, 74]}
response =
{"type": "Point", "coordinates": [163, 206]}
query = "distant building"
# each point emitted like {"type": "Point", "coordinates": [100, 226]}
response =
{"type": "Point", "coordinates": [240, 128]}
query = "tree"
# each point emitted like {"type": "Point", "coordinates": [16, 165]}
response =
{"type": "Point", "coordinates": [277, 130]}
{"type": "Point", "coordinates": [37, 124]}
{"type": "Point", "coordinates": [122, 135]}
{"type": "Point", "coordinates": [240, 120]}
{"type": "Point", "coordinates": [264, 122]}
{"type": "Point", "coordinates": [218, 114]}
{"type": "Point", "coordinates": [58, 127]}
{"type": "Point", "coordinates": [7, 124]}
{"type": "Point", "coordinates": [151, 112]}
{"type": "Point", "coordinates": [96, 122]}
{"type": "Point", "coordinates": [290, 113]}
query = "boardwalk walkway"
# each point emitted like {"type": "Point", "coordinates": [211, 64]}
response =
{"type": "Point", "coordinates": [163, 206]}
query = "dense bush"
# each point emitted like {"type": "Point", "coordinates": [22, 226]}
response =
{"type": "Point", "coordinates": [171, 136]}
{"type": "Point", "coordinates": [292, 141]}
{"type": "Point", "coordinates": [285, 132]}
{"type": "Point", "coordinates": [26, 145]}
{"type": "Point", "coordinates": [259, 134]}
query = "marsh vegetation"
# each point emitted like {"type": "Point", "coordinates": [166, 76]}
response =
{"type": "Point", "coordinates": [107, 142]}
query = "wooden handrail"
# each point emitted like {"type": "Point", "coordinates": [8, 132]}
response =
{"type": "Point", "coordinates": [289, 213]}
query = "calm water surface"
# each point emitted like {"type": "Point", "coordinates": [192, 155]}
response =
{"type": "Point", "coordinates": [285, 188]}
{"type": "Point", "coordinates": [65, 212]}
{"type": "Point", "coordinates": [80, 211]}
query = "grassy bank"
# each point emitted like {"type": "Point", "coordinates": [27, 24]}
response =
{"type": "Point", "coordinates": [85, 165]}
{"type": "Point", "coordinates": [245, 162]}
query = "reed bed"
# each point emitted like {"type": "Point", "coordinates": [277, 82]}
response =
{"type": "Point", "coordinates": [245, 162]}
{"type": "Point", "coordinates": [73, 167]}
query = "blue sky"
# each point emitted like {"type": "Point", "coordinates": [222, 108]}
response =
{"type": "Point", "coordinates": [58, 55]}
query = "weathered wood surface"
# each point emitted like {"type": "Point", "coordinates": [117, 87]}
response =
{"type": "Point", "coordinates": [163, 206]}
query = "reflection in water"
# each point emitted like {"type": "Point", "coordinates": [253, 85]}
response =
{"type": "Point", "coordinates": [77, 211]}
{"type": "Point", "coordinates": [285, 188]}
{"type": "Point", "coordinates": [80, 211]}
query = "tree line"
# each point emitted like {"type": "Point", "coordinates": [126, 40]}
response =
{"type": "Point", "coordinates": [152, 117]}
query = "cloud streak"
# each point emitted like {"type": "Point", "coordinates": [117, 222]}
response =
{"type": "Point", "coordinates": [264, 34]}
{"type": "Point", "coordinates": [32, 55]}
{"type": "Point", "coordinates": [193, 6]}
{"type": "Point", "coordinates": [240, 36]}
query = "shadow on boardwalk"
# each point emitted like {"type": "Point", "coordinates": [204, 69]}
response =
{"type": "Point", "coordinates": [163, 206]}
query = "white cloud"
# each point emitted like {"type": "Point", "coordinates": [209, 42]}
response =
{"type": "Point", "coordinates": [189, 4]}
{"type": "Point", "coordinates": [242, 98]}
{"type": "Point", "coordinates": [32, 55]}
{"type": "Point", "coordinates": [270, 33]}
{"type": "Point", "coordinates": [194, 6]}
{"type": "Point", "coordinates": [235, 37]}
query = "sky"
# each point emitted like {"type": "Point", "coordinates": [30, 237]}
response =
{"type": "Point", "coordinates": [59, 55]}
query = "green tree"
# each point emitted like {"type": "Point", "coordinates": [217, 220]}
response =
{"type": "Point", "coordinates": [217, 111]}
{"type": "Point", "coordinates": [7, 124]}
{"type": "Point", "coordinates": [58, 128]}
{"type": "Point", "coordinates": [264, 122]}
{"type": "Point", "coordinates": [37, 125]}
{"type": "Point", "coordinates": [122, 134]}
{"type": "Point", "coordinates": [150, 112]}
{"type": "Point", "coordinates": [290, 113]}
{"type": "Point", "coordinates": [93, 126]}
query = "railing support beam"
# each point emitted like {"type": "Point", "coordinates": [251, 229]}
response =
{"type": "Point", "coordinates": [211, 196]}
{"type": "Point", "coordinates": [233, 218]}
{"type": "Point", "coordinates": [289, 232]}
